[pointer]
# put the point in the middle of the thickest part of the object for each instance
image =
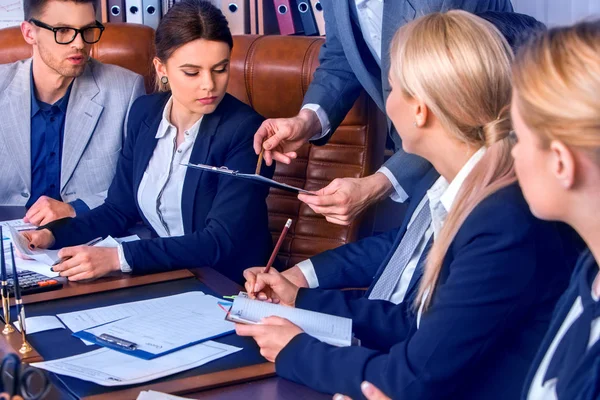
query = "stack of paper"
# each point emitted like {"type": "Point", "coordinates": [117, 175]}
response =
{"type": "Point", "coordinates": [111, 368]}
{"type": "Point", "coordinates": [108, 367]}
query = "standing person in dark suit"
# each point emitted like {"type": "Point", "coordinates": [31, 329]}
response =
{"type": "Point", "coordinates": [197, 218]}
{"type": "Point", "coordinates": [355, 56]}
{"type": "Point", "coordinates": [472, 326]}
{"type": "Point", "coordinates": [556, 113]}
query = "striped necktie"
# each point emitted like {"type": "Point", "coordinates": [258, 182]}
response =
{"type": "Point", "coordinates": [386, 284]}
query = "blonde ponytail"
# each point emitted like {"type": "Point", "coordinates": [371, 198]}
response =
{"type": "Point", "coordinates": [459, 65]}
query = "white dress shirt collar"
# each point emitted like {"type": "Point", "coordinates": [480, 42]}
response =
{"type": "Point", "coordinates": [165, 124]}
{"type": "Point", "coordinates": [443, 194]}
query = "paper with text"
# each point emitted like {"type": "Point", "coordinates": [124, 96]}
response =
{"type": "Point", "coordinates": [330, 329]}
{"type": "Point", "coordinates": [110, 368]}
{"type": "Point", "coordinates": [85, 319]}
{"type": "Point", "coordinates": [11, 13]}
{"type": "Point", "coordinates": [40, 324]}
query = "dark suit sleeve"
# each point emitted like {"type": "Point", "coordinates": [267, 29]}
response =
{"type": "Point", "coordinates": [119, 211]}
{"type": "Point", "coordinates": [354, 264]}
{"type": "Point", "coordinates": [484, 297]}
{"type": "Point", "coordinates": [228, 223]}
{"type": "Point", "coordinates": [334, 87]}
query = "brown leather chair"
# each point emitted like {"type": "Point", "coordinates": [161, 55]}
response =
{"type": "Point", "coordinates": [130, 46]}
{"type": "Point", "coordinates": [272, 73]}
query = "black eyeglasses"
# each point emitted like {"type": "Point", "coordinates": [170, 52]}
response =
{"type": "Point", "coordinates": [66, 34]}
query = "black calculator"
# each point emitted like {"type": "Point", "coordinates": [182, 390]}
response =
{"type": "Point", "coordinates": [32, 282]}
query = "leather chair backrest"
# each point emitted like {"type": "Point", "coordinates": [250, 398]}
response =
{"type": "Point", "coordinates": [130, 46]}
{"type": "Point", "coordinates": [272, 73]}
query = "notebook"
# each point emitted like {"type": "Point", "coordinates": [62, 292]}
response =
{"type": "Point", "coordinates": [331, 329]}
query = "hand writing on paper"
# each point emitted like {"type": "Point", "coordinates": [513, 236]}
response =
{"type": "Point", "coordinates": [46, 210]}
{"type": "Point", "coordinates": [87, 262]}
{"type": "Point", "coordinates": [344, 199]}
{"type": "Point", "coordinates": [271, 335]}
{"type": "Point", "coordinates": [41, 239]}
{"type": "Point", "coordinates": [370, 392]}
{"type": "Point", "coordinates": [281, 137]}
{"type": "Point", "coordinates": [271, 287]}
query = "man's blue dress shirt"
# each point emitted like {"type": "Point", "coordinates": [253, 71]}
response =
{"type": "Point", "coordinates": [47, 132]}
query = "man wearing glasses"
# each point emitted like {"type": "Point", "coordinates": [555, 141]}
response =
{"type": "Point", "coordinates": [63, 115]}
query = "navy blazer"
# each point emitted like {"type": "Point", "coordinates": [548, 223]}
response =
{"type": "Point", "coordinates": [346, 65]}
{"type": "Point", "coordinates": [586, 381]}
{"type": "Point", "coordinates": [225, 219]}
{"type": "Point", "coordinates": [500, 280]}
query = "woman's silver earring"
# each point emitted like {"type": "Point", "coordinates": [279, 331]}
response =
{"type": "Point", "coordinates": [164, 80]}
{"type": "Point", "coordinates": [415, 124]}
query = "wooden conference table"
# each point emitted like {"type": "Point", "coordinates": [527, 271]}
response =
{"type": "Point", "coordinates": [251, 382]}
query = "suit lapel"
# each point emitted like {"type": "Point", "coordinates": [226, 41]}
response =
{"type": "Point", "coordinates": [15, 128]}
{"type": "Point", "coordinates": [420, 190]}
{"type": "Point", "coordinates": [81, 120]}
{"type": "Point", "coordinates": [208, 128]}
{"type": "Point", "coordinates": [348, 41]}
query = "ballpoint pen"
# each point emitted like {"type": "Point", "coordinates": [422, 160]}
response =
{"type": "Point", "coordinates": [25, 347]}
{"type": "Point", "coordinates": [5, 304]}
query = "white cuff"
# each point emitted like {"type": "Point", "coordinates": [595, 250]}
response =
{"type": "Point", "coordinates": [398, 195]}
{"type": "Point", "coordinates": [308, 270]}
{"type": "Point", "coordinates": [323, 119]}
{"type": "Point", "coordinates": [123, 261]}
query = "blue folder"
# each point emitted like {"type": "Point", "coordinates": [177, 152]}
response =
{"type": "Point", "coordinates": [90, 337]}
{"type": "Point", "coordinates": [60, 343]}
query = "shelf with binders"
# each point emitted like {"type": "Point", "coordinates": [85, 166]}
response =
{"type": "Point", "coordinates": [254, 17]}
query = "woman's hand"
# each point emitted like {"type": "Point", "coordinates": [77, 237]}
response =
{"type": "Point", "coordinates": [87, 262]}
{"type": "Point", "coordinates": [271, 335]}
{"type": "Point", "coordinates": [272, 286]}
{"type": "Point", "coordinates": [42, 239]}
{"type": "Point", "coordinates": [370, 392]}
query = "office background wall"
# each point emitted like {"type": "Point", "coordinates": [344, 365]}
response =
{"type": "Point", "coordinates": [558, 12]}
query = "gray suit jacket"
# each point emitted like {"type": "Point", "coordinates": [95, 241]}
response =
{"type": "Point", "coordinates": [347, 66]}
{"type": "Point", "coordinates": [94, 131]}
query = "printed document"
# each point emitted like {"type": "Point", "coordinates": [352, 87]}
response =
{"type": "Point", "coordinates": [85, 319]}
{"type": "Point", "coordinates": [111, 368]}
{"type": "Point", "coordinates": [159, 333]}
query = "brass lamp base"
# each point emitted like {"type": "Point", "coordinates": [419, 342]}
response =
{"type": "Point", "coordinates": [8, 329]}
{"type": "Point", "coordinates": [25, 348]}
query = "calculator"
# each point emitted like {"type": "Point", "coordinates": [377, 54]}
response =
{"type": "Point", "coordinates": [32, 282]}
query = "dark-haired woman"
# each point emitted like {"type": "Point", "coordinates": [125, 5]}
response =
{"type": "Point", "coordinates": [197, 219]}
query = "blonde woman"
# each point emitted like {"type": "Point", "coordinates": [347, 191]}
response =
{"type": "Point", "coordinates": [556, 114]}
{"type": "Point", "coordinates": [472, 325]}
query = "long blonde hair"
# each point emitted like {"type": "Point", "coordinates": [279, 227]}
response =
{"type": "Point", "coordinates": [459, 65]}
{"type": "Point", "coordinates": [557, 81]}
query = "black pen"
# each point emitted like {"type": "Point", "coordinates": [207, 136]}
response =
{"type": "Point", "coordinates": [18, 300]}
{"type": "Point", "coordinates": [3, 269]}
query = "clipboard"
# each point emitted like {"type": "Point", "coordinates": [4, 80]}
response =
{"type": "Point", "coordinates": [259, 179]}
